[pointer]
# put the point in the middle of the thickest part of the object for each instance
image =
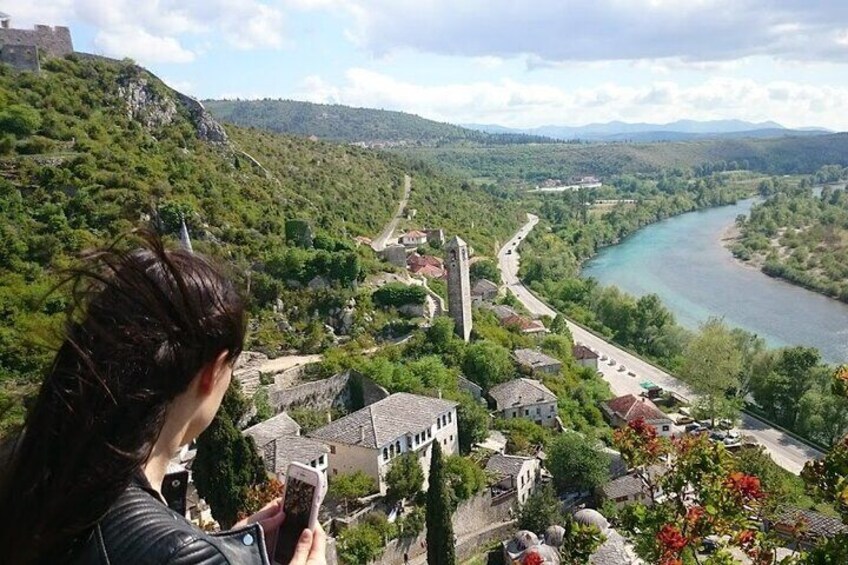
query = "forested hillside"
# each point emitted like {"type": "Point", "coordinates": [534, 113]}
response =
{"type": "Point", "coordinates": [786, 155]}
{"type": "Point", "coordinates": [90, 149]}
{"type": "Point", "coordinates": [344, 123]}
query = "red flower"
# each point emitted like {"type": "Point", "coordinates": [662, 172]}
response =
{"type": "Point", "coordinates": [694, 515]}
{"type": "Point", "coordinates": [672, 541]}
{"type": "Point", "coordinates": [746, 487]}
{"type": "Point", "coordinates": [746, 538]}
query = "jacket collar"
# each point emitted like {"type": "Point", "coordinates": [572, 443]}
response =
{"type": "Point", "coordinates": [139, 480]}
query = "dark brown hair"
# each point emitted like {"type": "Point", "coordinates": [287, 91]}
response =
{"type": "Point", "coordinates": [143, 324]}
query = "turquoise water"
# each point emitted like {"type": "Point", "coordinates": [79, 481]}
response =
{"type": "Point", "coordinates": [683, 260]}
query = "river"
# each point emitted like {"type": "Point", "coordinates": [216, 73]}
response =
{"type": "Point", "coordinates": [683, 260]}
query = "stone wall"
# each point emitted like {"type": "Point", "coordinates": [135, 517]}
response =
{"type": "Point", "coordinates": [476, 522]}
{"type": "Point", "coordinates": [21, 57]}
{"type": "Point", "coordinates": [52, 41]}
{"type": "Point", "coordinates": [349, 391]}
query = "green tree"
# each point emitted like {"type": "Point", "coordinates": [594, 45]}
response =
{"type": "Point", "coordinates": [577, 463]}
{"type": "Point", "coordinates": [487, 364]}
{"type": "Point", "coordinates": [405, 477]}
{"type": "Point", "coordinates": [711, 366]}
{"type": "Point", "coordinates": [541, 510]}
{"type": "Point", "coordinates": [523, 436]}
{"type": "Point", "coordinates": [227, 464]}
{"type": "Point", "coordinates": [485, 269]}
{"type": "Point", "coordinates": [559, 326]}
{"type": "Point", "coordinates": [441, 548]}
{"type": "Point", "coordinates": [359, 544]}
{"type": "Point", "coordinates": [794, 372]}
{"type": "Point", "coordinates": [472, 422]}
{"type": "Point", "coordinates": [350, 486]}
{"type": "Point", "coordinates": [464, 478]}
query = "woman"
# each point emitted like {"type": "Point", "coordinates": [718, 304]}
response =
{"type": "Point", "coordinates": [148, 355]}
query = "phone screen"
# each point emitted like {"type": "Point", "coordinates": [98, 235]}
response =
{"type": "Point", "coordinates": [297, 507]}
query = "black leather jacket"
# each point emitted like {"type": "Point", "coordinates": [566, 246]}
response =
{"type": "Point", "coordinates": [140, 529]}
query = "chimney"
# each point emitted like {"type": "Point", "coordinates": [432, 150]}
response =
{"type": "Point", "coordinates": [329, 416]}
{"type": "Point", "coordinates": [361, 434]}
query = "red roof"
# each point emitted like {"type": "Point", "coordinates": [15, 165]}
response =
{"type": "Point", "coordinates": [428, 271]}
{"type": "Point", "coordinates": [416, 260]}
{"type": "Point", "coordinates": [629, 408]}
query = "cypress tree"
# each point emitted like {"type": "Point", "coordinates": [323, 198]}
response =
{"type": "Point", "coordinates": [440, 542]}
{"type": "Point", "coordinates": [227, 463]}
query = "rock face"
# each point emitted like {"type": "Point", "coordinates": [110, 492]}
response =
{"type": "Point", "coordinates": [154, 106]}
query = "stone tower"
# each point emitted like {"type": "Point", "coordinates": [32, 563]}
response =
{"type": "Point", "coordinates": [459, 286]}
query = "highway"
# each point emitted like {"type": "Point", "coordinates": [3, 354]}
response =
{"type": "Point", "coordinates": [381, 241]}
{"type": "Point", "coordinates": [786, 451]}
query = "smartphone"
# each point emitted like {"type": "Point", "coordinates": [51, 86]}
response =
{"type": "Point", "coordinates": [305, 489]}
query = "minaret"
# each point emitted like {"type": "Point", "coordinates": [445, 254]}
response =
{"type": "Point", "coordinates": [185, 240]}
{"type": "Point", "coordinates": [459, 286]}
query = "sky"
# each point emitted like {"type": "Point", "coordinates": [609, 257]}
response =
{"type": "Point", "coordinates": [513, 63]}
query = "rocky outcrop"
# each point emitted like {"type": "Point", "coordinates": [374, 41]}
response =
{"type": "Point", "coordinates": [155, 105]}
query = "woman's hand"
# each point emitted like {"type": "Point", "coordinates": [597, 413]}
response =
{"type": "Point", "coordinates": [270, 518]}
{"type": "Point", "coordinates": [311, 548]}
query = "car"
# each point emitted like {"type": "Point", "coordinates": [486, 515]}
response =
{"type": "Point", "coordinates": [611, 362]}
{"type": "Point", "coordinates": [724, 424]}
{"type": "Point", "coordinates": [718, 435]}
{"type": "Point", "coordinates": [706, 424]}
{"type": "Point", "coordinates": [631, 373]}
{"type": "Point", "coordinates": [622, 369]}
{"type": "Point", "coordinates": [509, 252]}
{"type": "Point", "coordinates": [732, 442]}
{"type": "Point", "coordinates": [683, 419]}
{"type": "Point", "coordinates": [604, 357]}
{"type": "Point", "coordinates": [733, 434]}
{"type": "Point", "coordinates": [693, 428]}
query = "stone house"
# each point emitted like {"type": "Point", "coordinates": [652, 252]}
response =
{"type": "Point", "coordinates": [21, 48]}
{"type": "Point", "coordinates": [369, 439]}
{"type": "Point", "coordinates": [630, 488]}
{"type": "Point", "coordinates": [484, 290]}
{"type": "Point", "coordinates": [525, 398]}
{"type": "Point", "coordinates": [624, 409]}
{"type": "Point", "coordinates": [585, 356]}
{"type": "Point", "coordinates": [395, 254]}
{"type": "Point", "coordinates": [426, 265]}
{"type": "Point", "coordinates": [472, 388]}
{"type": "Point", "coordinates": [413, 238]}
{"type": "Point", "coordinates": [435, 236]}
{"type": "Point", "coordinates": [514, 473]}
{"type": "Point", "coordinates": [525, 325]}
{"type": "Point", "coordinates": [537, 362]}
{"type": "Point", "coordinates": [280, 443]}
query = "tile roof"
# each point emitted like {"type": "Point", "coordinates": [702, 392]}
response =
{"type": "Point", "coordinates": [818, 524]}
{"type": "Point", "coordinates": [629, 408]}
{"type": "Point", "coordinates": [384, 421]}
{"type": "Point", "coordinates": [613, 551]}
{"type": "Point", "coordinates": [416, 260]}
{"type": "Point", "coordinates": [507, 465]}
{"type": "Point", "coordinates": [414, 234]}
{"type": "Point", "coordinates": [535, 358]}
{"type": "Point", "coordinates": [282, 451]}
{"type": "Point", "coordinates": [583, 352]}
{"type": "Point", "coordinates": [520, 392]}
{"type": "Point", "coordinates": [430, 271]}
{"type": "Point", "coordinates": [280, 425]}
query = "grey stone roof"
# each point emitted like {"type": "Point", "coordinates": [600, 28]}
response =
{"type": "Point", "coordinates": [591, 517]}
{"type": "Point", "coordinates": [818, 524]}
{"type": "Point", "coordinates": [612, 552]}
{"type": "Point", "coordinates": [582, 352]}
{"type": "Point", "coordinates": [628, 485]}
{"type": "Point", "coordinates": [484, 286]}
{"type": "Point", "coordinates": [506, 465]}
{"type": "Point", "coordinates": [535, 359]}
{"type": "Point", "coordinates": [283, 450]}
{"type": "Point", "coordinates": [503, 312]}
{"type": "Point", "coordinates": [384, 421]}
{"type": "Point", "coordinates": [520, 392]}
{"type": "Point", "coordinates": [279, 426]}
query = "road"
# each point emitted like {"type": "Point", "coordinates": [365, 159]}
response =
{"type": "Point", "coordinates": [786, 451]}
{"type": "Point", "coordinates": [381, 241]}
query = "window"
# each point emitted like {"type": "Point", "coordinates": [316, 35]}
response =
{"type": "Point", "coordinates": [385, 454]}
{"type": "Point", "coordinates": [451, 437]}
{"type": "Point", "coordinates": [333, 449]}
{"type": "Point", "coordinates": [397, 447]}
{"type": "Point", "coordinates": [450, 417]}
{"type": "Point", "coordinates": [417, 440]}
{"type": "Point", "coordinates": [538, 410]}
{"type": "Point", "coordinates": [526, 411]}
{"type": "Point", "coordinates": [409, 442]}
{"type": "Point", "coordinates": [665, 428]}
{"type": "Point", "coordinates": [313, 463]}
{"type": "Point", "coordinates": [392, 450]}
{"type": "Point", "coordinates": [514, 413]}
{"type": "Point", "coordinates": [429, 433]}
{"type": "Point", "coordinates": [553, 409]}
{"type": "Point", "coordinates": [335, 471]}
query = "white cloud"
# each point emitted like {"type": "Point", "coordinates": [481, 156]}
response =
{"type": "Point", "coordinates": [598, 30]}
{"type": "Point", "coordinates": [162, 31]}
{"type": "Point", "coordinates": [517, 104]}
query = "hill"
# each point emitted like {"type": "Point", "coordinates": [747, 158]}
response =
{"type": "Point", "coordinates": [680, 130]}
{"type": "Point", "coordinates": [368, 126]}
{"type": "Point", "coordinates": [92, 148]}
{"type": "Point", "coordinates": [530, 165]}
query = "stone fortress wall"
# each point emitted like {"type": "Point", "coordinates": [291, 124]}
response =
{"type": "Point", "coordinates": [21, 48]}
